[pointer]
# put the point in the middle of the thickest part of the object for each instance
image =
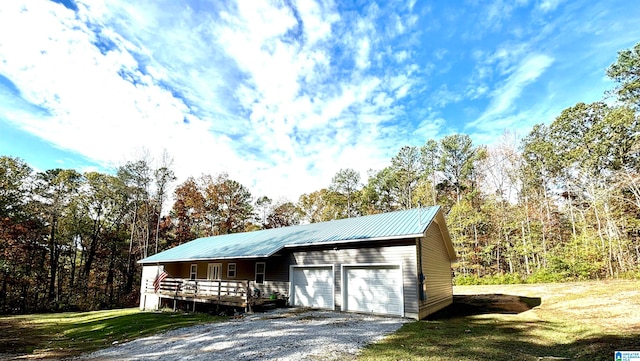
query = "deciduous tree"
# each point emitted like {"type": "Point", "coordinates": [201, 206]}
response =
{"type": "Point", "coordinates": [626, 72]}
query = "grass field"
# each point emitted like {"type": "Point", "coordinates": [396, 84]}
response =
{"type": "Point", "coordinates": [59, 335]}
{"type": "Point", "coordinates": [569, 321]}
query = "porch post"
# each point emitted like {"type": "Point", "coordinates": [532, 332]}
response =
{"type": "Point", "coordinates": [219, 289]}
{"type": "Point", "coordinates": [248, 308]}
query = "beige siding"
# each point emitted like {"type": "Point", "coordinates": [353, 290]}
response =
{"type": "Point", "coordinates": [405, 255]}
{"type": "Point", "coordinates": [276, 277]}
{"type": "Point", "coordinates": [436, 266]}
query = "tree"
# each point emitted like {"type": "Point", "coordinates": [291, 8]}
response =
{"type": "Point", "coordinates": [283, 214]}
{"type": "Point", "coordinates": [580, 158]}
{"type": "Point", "coordinates": [346, 183]}
{"type": "Point", "coordinates": [430, 154]}
{"type": "Point", "coordinates": [15, 178]}
{"type": "Point", "coordinates": [457, 163]}
{"type": "Point", "coordinates": [378, 195]}
{"type": "Point", "coordinates": [188, 211]}
{"type": "Point", "coordinates": [137, 177]}
{"type": "Point", "coordinates": [500, 169]}
{"type": "Point", "coordinates": [263, 204]}
{"type": "Point", "coordinates": [234, 204]}
{"type": "Point", "coordinates": [22, 240]}
{"type": "Point", "coordinates": [408, 168]}
{"type": "Point", "coordinates": [164, 176]}
{"type": "Point", "coordinates": [626, 72]}
{"type": "Point", "coordinates": [319, 206]}
{"type": "Point", "coordinates": [56, 189]}
{"type": "Point", "coordinates": [105, 209]}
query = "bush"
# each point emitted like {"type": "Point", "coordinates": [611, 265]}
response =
{"type": "Point", "coordinates": [631, 275]}
{"type": "Point", "coordinates": [546, 276]}
{"type": "Point", "coordinates": [500, 279]}
{"type": "Point", "coordinates": [577, 268]}
{"type": "Point", "coordinates": [466, 280]}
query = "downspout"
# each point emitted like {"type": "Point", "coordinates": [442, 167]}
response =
{"type": "Point", "coordinates": [421, 278]}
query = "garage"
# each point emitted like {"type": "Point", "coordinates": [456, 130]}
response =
{"type": "Point", "coordinates": [373, 289]}
{"type": "Point", "coordinates": [312, 286]}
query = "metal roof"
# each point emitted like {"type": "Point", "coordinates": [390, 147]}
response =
{"type": "Point", "coordinates": [264, 243]}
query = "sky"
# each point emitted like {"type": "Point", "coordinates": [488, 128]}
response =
{"type": "Point", "coordinates": [283, 94]}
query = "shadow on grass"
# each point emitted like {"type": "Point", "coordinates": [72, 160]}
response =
{"type": "Point", "coordinates": [52, 339]}
{"type": "Point", "coordinates": [471, 305]}
{"type": "Point", "coordinates": [17, 337]}
{"type": "Point", "coordinates": [493, 340]}
{"type": "Point", "coordinates": [487, 327]}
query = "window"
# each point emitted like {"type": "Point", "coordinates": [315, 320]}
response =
{"type": "Point", "coordinates": [260, 266]}
{"type": "Point", "coordinates": [231, 270]}
{"type": "Point", "coordinates": [194, 272]}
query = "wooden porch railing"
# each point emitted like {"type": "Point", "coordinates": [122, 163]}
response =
{"type": "Point", "coordinates": [239, 293]}
{"type": "Point", "coordinates": [201, 288]}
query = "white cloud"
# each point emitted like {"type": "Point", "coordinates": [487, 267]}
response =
{"type": "Point", "coordinates": [401, 56]}
{"type": "Point", "coordinates": [498, 113]}
{"type": "Point", "coordinates": [440, 53]}
{"type": "Point", "coordinates": [362, 58]}
{"type": "Point", "coordinates": [92, 109]}
{"type": "Point", "coordinates": [443, 96]}
{"type": "Point", "coordinates": [475, 92]}
{"type": "Point", "coordinates": [316, 21]}
{"type": "Point", "coordinates": [255, 89]}
{"type": "Point", "coordinates": [549, 5]}
{"type": "Point", "coordinates": [430, 128]}
{"type": "Point", "coordinates": [528, 71]}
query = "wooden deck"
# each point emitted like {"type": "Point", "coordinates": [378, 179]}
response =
{"type": "Point", "coordinates": [239, 293]}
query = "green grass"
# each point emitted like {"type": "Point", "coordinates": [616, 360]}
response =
{"type": "Point", "coordinates": [574, 321]}
{"type": "Point", "coordinates": [59, 335]}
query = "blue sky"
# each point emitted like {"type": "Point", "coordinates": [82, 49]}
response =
{"type": "Point", "coordinates": [283, 94]}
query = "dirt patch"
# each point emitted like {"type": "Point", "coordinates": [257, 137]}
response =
{"type": "Point", "coordinates": [482, 304]}
{"type": "Point", "coordinates": [610, 305]}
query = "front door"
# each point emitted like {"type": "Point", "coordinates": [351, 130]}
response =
{"type": "Point", "coordinates": [214, 271]}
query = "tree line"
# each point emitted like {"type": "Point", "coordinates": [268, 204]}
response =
{"type": "Point", "coordinates": [561, 203]}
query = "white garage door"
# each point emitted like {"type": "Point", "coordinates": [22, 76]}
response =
{"type": "Point", "coordinates": [375, 289]}
{"type": "Point", "coordinates": [313, 287]}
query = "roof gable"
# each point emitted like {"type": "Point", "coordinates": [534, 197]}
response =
{"type": "Point", "coordinates": [264, 243]}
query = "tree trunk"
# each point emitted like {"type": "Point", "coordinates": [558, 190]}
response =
{"type": "Point", "coordinates": [91, 252]}
{"type": "Point", "coordinates": [53, 259]}
{"type": "Point", "coordinates": [604, 249]}
{"type": "Point", "coordinates": [133, 230]}
{"type": "Point", "coordinates": [525, 251]}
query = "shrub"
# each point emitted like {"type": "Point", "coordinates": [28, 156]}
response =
{"type": "Point", "coordinates": [466, 280]}
{"type": "Point", "coordinates": [500, 279]}
{"type": "Point", "coordinates": [545, 275]}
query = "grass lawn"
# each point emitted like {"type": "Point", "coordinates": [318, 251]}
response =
{"type": "Point", "coordinates": [569, 321]}
{"type": "Point", "coordinates": [61, 335]}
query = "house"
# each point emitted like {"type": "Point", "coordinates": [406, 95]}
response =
{"type": "Point", "coordinates": [396, 263]}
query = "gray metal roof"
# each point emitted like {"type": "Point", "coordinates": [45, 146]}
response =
{"type": "Point", "coordinates": [264, 243]}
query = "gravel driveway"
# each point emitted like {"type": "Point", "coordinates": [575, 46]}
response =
{"type": "Point", "coordinates": [283, 334]}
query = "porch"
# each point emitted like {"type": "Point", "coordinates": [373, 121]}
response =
{"type": "Point", "coordinates": [245, 294]}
